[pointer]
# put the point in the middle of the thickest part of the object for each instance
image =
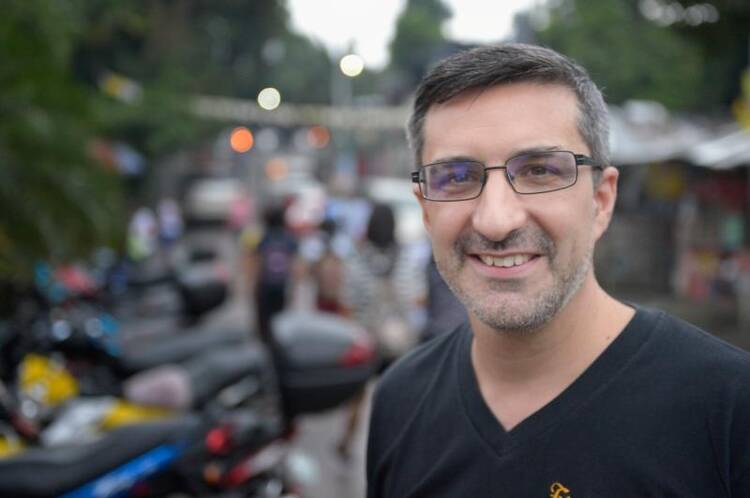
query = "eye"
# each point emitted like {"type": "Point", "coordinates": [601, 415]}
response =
{"type": "Point", "coordinates": [452, 175]}
{"type": "Point", "coordinates": [537, 169]}
{"type": "Point", "coordinates": [460, 175]}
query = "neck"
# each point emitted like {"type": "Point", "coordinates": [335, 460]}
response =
{"type": "Point", "coordinates": [561, 349]}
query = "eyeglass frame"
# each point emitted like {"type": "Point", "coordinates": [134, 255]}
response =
{"type": "Point", "coordinates": [580, 160]}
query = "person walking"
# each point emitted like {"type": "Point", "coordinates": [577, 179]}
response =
{"type": "Point", "coordinates": [272, 269]}
{"type": "Point", "coordinates": [381, 289]}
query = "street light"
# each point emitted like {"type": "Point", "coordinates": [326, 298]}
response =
{"type": "Point", "coordinates": [269, 98]}
{"type": "Point", "coordinates": [352, 65]}
{"type": "Point", "coordinates": [345, 164]}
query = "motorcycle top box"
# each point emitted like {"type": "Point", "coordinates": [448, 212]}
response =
{"type": "Point", "coordinates": [322, 360]}
{"type": "Point", "coordinates": [202, 287]}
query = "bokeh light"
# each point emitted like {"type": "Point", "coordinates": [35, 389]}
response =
{"type": "Point", "coordinates": [352, 65]}
{"type": "Point", "coordinates": [277, 169]}
{"type": "Point", "coordinates": [241, 139]}
{"type": "Point", "coordinates": [318, 137]}
{"type": "Point", "coordinates": [269, 98]}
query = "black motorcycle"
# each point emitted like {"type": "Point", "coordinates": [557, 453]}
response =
{"type": "Point", "coordinates": [314, 362]}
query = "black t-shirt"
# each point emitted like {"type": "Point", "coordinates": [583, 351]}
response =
{"type": "Point", "coordinates": [663, 412]}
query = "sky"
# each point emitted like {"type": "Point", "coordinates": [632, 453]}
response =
{"type": "Point", "coordinates": [370, 24]}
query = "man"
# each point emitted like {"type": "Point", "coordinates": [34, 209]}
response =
{"type": "Point", "coordinates": [553, 388]}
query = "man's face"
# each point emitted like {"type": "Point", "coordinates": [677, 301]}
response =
{"type": "Point", "coordinates": [514, 260]}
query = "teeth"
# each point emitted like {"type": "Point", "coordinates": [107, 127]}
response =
{"type": "Point", "coordinates": [506, 261]}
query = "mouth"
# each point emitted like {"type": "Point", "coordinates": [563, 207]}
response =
{"type": "Point", "coordinates": [507, 261]}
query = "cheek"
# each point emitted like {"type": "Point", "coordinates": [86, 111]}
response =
{"type": "Point", "coordinates": [445, 221]}
{"type": "Point", "coordinates": [445, 225]}
{"type": "Point", "coordinates": [569, 226]}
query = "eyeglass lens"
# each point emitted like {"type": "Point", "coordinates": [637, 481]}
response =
{"type": "Point", "coordinates": [528, 174]}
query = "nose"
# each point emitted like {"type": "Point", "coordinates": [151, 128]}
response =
{"type": "Point", "coordinates": [499, 210]}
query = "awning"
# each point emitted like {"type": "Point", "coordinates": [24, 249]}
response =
{"type": "Point", "coordinates": [729, 149]}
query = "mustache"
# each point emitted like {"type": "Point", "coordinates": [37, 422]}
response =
{"type": "Point", "coordinates": [525, 239]}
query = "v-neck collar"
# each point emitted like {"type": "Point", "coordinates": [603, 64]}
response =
{"type": "Point", "coordinates": [594, 379]}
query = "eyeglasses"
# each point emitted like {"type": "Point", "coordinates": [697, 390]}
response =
{"type": "Point", "coordinates": [530, 173]}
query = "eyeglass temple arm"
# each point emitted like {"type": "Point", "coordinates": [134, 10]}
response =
{"type": "Point", "coordinates": [415, 177]}
{"type": "Point", "coordinates": [581, 159]}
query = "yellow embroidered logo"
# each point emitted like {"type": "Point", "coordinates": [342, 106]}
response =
{"type": "Point", "coordinates": [557, 490]}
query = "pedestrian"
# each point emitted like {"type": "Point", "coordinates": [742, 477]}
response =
{"type": "Point", "coordinates": [328, 272]}
{"type": "Point", "coordinates": [381, 288]}
{"type": "Point", "coordinates": [272, 269]}
{"type": "Point", "coordinates": [552, 387]}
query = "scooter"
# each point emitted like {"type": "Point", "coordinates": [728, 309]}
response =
{"type": "Point", "coordinates": [317, 361]}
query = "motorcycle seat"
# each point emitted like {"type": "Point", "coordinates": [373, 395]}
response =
{"type": "Point", "coordinates": [45, 472]}
{"type": "Point", "coordinates": [213, 371]}
{"type": "Point", "coordinates": [176, 349]}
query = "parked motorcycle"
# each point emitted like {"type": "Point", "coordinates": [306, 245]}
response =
{"type": "Point", "coordinates": [314, 362]}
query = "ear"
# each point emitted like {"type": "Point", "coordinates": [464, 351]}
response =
{"type": "Point", "coordinates": [422, 204]}
{"type": "Point", "coordinates": [604, 199]}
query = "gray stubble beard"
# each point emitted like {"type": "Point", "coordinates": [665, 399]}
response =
{"type": "Point", "coordinates": [566, 282]}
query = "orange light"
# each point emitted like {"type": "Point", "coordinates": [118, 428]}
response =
{"type": "Point", "coordinates": [241, 139]}
{"type": "Point", "coordinates": [318, 137]}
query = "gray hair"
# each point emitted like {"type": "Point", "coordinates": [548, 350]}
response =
{"type": "Point", "coordinates": [492, 65]}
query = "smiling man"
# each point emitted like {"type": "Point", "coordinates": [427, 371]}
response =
{"type": "Point", "coordinates": [553, 388]}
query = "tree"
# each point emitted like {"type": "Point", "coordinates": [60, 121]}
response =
{"type": "Point", "coordinates": [687, 54]}
{"type": "Point", "coordinates": [629, 57]}
{"type": "Point", "coordinates": [722, 31]}
{"type": "Point", "coordinates": [418, 40]}
{"type": "Point", "coordinates": [56, 204]}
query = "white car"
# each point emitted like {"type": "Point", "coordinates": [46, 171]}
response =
{"type": "Point", "coordinates": [211, 199]}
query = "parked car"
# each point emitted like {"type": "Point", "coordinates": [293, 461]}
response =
{"type": "Point", "coordinates": [211, 200]}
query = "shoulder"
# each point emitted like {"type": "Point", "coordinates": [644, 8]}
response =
{"type": "Point", "coordinates": [418, 383]}
{"type": "Point", "coordinates": [695, 346]}
{"type": "Point", "coordinates": [407, 381]}
{"type": "Point", "coordinates": [714, 379]}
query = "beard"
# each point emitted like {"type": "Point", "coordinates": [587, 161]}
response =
{"type": "Point", "coordinates": [503, 305]}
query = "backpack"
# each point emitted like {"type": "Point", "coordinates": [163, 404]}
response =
{"type": "Point", "coordinates": [277, 253]}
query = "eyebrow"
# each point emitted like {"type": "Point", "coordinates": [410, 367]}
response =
{"type": "Point", "coordinates": [535, 150]}
{"type": "Point", "coordinates": [514, 153]}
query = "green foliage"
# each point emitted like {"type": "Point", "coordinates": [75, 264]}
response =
{"type": "Point", "coordinates": [628, 56]}
{"type": "Point", "coordinates": [418, 38]}
{"type": "Point", "coordinates": [684, 65]}
{"type": "Point", "coordinates": [311, 85]}
{"type": "Point", "coordinates": [726, 49]}
{"type": "Point", "coordinates": [174, 50]}
{"type": "Point", "coordinates": [54, 203]}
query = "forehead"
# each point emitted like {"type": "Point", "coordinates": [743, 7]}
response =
{"type": "Point", "coordinates": [494, 122]}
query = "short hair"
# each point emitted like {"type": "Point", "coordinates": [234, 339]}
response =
{"type": "Point", "coordinates": [381, 227]}
{"type": "Point", "coordinates": [492, 65]}
{"type": "Point", "coordinates": [273, 216]}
